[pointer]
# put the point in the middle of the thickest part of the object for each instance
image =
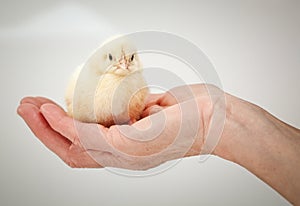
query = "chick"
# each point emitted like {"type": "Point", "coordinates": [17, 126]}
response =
{"type": "Point", "coordinates": [109, 88]}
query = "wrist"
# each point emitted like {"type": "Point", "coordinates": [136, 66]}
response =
{"type": "Point", "coordinates": [246, 134]}
{"type": "Point", "coordinates": [262, 144]}
{"type": "Point", "coordinates": [238, 128]}
{"type": "Point", "coordinates": [249, 130]}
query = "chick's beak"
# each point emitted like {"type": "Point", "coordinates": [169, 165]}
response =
{"type": "Point", "coordinates": [123, 63]}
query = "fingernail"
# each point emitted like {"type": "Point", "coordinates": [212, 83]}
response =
{"type": "Point", "coordinates": [20, 110]}
{"type": "Point", "coordinates": [46, 108]}
{"type": "Point", "coordinates": [49, 109]}
{"type": "Point", "coordinates": [155, 110]}
{"type": "Point", "coordinates": [26, 109]}
{"type": "Point", "coordinates": [26, 100]}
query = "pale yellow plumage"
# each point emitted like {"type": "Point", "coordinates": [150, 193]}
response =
{"type": "Point", "coordinates": [109, 88]}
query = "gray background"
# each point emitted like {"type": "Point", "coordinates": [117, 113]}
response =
{"type": "Point", "coordinates": [254, 45]}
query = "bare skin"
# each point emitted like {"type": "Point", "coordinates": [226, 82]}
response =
{"type": "Point", "coordinates": [251, 137]}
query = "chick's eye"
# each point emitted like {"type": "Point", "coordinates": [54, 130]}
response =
{"type": "Point", "coordinates": [132, 57]}
{"type": "Point", "coordinates": [110, 57]}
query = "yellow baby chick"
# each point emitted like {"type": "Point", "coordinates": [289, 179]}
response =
{"type": "Point", "coordinates": [109, 88]}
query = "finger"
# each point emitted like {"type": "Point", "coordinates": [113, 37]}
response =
{"type": "Point", "coordinates": [132, 121]}
{"type": "Point", "coordinates": [151, 110]}
{"type": "Point", "coordinates": [60, 121]}
{"type": "Point", "coordinates": [37, 101]}
{"type": "Point", "coordinates": [152, 99]}
{"type": "Point", "coordinates": [38, 125]}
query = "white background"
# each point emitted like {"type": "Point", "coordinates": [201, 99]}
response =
{"type": "Point", "coordinates": [254, 45]}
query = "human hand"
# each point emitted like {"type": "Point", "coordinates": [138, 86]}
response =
{"type": "Point", "coordinates": [176, 124]}
{"type": "Point", "coordinates": [174, 132]}
{"type": "Point", "coordinates": [63, 145]}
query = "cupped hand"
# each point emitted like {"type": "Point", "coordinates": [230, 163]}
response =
{"type": "Point", "coordinates": [173, 126]}
{"type": "Point", "coordinates": [58, 136]}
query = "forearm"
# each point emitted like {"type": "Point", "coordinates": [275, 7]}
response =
{"type": "Point", "coordinates": [264, 145]}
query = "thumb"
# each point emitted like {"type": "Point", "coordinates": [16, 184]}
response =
{"type": "Point", "coordinates": [59, 121]}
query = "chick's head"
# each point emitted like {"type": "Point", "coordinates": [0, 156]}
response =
{"type": "Point", "coordinates": [121, 59]}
